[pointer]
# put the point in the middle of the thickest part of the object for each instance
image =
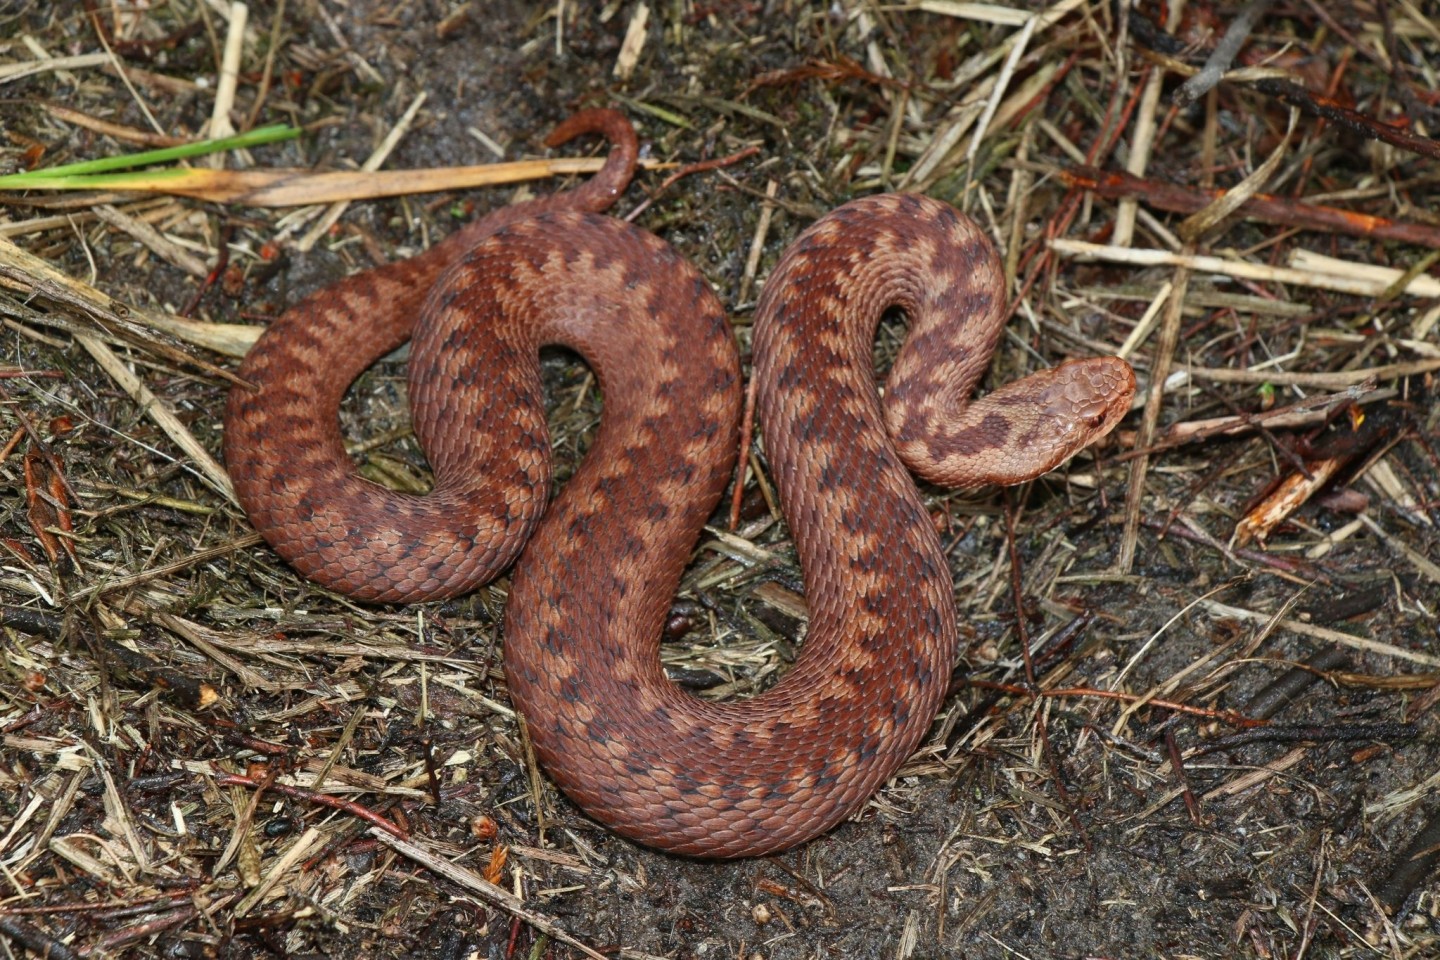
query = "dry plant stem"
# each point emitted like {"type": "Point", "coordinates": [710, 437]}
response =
{"type": "Point", "coordinates": [1231, 717]}
{"type": "Point", "coordinates": [1154, 401]}
{"type": "Point", "coordinates": [1414, 864]}
{"type": "Point", "coordinates": [1310, 412]}
{"type": "Point", "coordinates": [220, 125]}
{"type": "Point", "coordinates": [372, 163]}
{"type": "Point", "coordinates": [1298, 572]}
{"type": "Point", "coordinates": [1225, 51]}
{"type": "Point", "coordinates": [1336, 380]}
{"type": "Point", "coordinates": [153, 239]}
{"type": "Point", "coordinates": [208, 467]}
{"type": "Point", "coordinates": [1371, 282]}
{"type": "Point", "coordinates": [1193, 228]}
{"type": "Point", "coordinates": [1324, 633]}
{"type": "Point", "coordinates": [267, 75]}
{"type": "Point", "coordinates": [121, 132]}
{"type": "Point", "coordinates": [485, 890]}
{"type": "Point", "coordinates": [378, 822]}
{"type": "Point", "coordinates": [1177, 765]}
{"type": "Point", "coordinates": [29, 273]}
{"type": "Point", "coordinates": [716, 163]}
{"type": "Point", "coordinates": [1142, 134]}
{"type": "Point", "coordinates": [747, 436]}
{"type": "Point", "coordinates": [1265, 208]}
{"type": "Point", "coordinates": [292, 856]}
{"type": "Point", "coordinates": [10, 72]}
{"type": "Point", "coordinates": [287, 187]}
{"type": "Point", "coordinates": [1139, 158]}
{"type": "Point", "coordinates": [1420, 561]}
{"type": "Point", "coordinates": [240, 829]}
{"type": "Point", "coordinates": [204, 640]}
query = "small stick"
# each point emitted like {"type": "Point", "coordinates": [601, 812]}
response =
{"type": "Point", "coordinates": [715, 163]}
{"type": "Point", "coordinates": [324, 799]}
{"type": "Point", "coordinates": [485, 890]}
{"type": "Point", "coordinates": [1224, 53]}
{"type": "Point", "coordinates": [1241, 269]}
{"type": "Point", "coordinates": [1264, 207]}
{"type": "Point", "coordinates": [109, 128]}
{"type": "Point", "coordinates": [157, 411]}
{"type": "Point", "coordinates": [371, 164]}
{"type": "Point", "coordinates": [153, 239]}
{"type": "Point", "coordinates": [35, 940]}
{"type": "Point", "coordinates": [220, 125]}
{"type": "Point", "coordinates": [1320, 733]}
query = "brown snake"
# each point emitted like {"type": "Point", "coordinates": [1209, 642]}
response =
{"type": "Point", "coordinates": [593, 585]}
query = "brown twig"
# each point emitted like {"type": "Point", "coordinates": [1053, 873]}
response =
{"type": "Point", "coordinates": [1328, 733]}
{"type": "Point", "coordinates": [35, 940]}
{"type": "Point", "coordinates": [1292, 94]}
{"type": "Point", "coordinates": [1264, 207]}
{"type": "Point", "coordinates": [324, 799]}
{"type": "Point", "coordinates": [701, 166]}
{"type": "Point", "coordinates": [1318, 105]}
{"type": "Point", "coordinates": [1177, 764]}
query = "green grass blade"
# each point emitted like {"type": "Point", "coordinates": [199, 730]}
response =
{"type": "Point", "coordinates": [57, 178]}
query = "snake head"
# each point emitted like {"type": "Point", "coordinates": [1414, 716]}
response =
{"type": "Point", "coordinates": [1084, 399]}
{"type": "Point", "coordinates": [1024, 429]}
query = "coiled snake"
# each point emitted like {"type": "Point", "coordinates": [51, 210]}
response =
{"type": "Point", "coordinates": [598, 568]}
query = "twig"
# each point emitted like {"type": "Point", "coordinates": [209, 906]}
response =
{"type": "Point", "coordinates": [1333, 380]}
{"type": "Point", "coordinates": [1327, 733]}
{"type": "Point", "coordinates": [371, 164]}
{"type": "Point", "coordinates": [1289, 685]}
{"type": "Point", "coordinates": [35, 940]}
{"type": "Point", "coordinates": [1225, 51]}
{"type": "Point", "coordinates": [715, 163]}
{"type": "Point", "coordinates": [1412, 866]}
{"type": "Point", "coordinates": [1297, 96]}
{"type": "Point", "coordinates": [151, 238]}
{"type": "Point", "coordinates": [161, 414]}
{"type": "Point", "coordinates": [1324, 633]}
{"type": "Point", "coordinates": [485, 890]}
{"type": "Point", "coordinates": [324, 799]}
{"type": "Point", "coordinates": [1203, 263]}
{"type": "Point", "coordinates": [1150, 424]}
{"type": "Point", "coordinates": [1263, 207]}
{"type": "Point", "coordinates": [220, 125]}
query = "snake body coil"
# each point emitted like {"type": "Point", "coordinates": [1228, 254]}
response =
{"type": "Point", "coordinates": [592, 587]}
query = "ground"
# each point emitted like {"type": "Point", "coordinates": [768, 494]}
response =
{"type": "Point", "coordinates": [1219, 748]}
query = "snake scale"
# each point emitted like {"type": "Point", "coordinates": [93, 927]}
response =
{"type": "Point", "coordinates": [598, 567]}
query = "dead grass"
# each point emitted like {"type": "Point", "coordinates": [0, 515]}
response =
{"type": "Point", "coordinates": [205, 756]}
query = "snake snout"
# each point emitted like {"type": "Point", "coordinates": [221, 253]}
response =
{"type": "Point", "coordinates": [1078, 403]}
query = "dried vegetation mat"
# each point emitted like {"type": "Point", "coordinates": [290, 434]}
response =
{"type": "Point", "coordinates": [1196, 711]}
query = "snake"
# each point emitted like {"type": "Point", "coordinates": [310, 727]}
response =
{"type": "Point", "coordinates": [594, 570]}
